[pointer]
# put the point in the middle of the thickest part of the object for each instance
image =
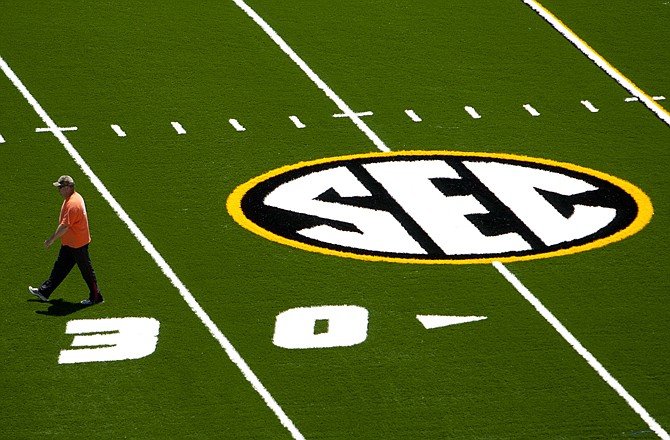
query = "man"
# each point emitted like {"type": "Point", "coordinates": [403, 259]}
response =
{"type": "Point", "coordinates": [75, 237]}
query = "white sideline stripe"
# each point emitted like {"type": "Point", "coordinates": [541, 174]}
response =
{"type": "Point", "coordinates": [236, 125]}
{"type": "Point", "coordinates": [599, 61]}
{"type": "Point", "coordinates": [530, 109]}
{"type": "Point", "coordinates": [160, 261]}
{"type": "Point", "coordinates": [592, 108]}
{"type": "Point", "coordinates": [472, 112]}
{"type": "Point", "coordinates": [118, 130]}
{"type": "Point", "coordinates": [178, 128]}
{"type": "Point", "coordinates": [579, 348]}
{"type": "Point", "coordinates": [2, 140]}
{"type": "Point", "coordinates": [413, 116]}
{"type": "Point", "coordinates": [296, 121]}
{"type": "Point", "coordinates": [312, 75]}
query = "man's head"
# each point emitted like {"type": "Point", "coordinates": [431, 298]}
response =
{"type": "Point", "coordinates": [65, 185]}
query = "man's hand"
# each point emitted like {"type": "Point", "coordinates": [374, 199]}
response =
{"type": "Point", "coordinates": [62, 229]}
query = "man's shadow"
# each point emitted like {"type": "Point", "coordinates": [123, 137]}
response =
{"type": "Point", "coordinates": [58, 307]}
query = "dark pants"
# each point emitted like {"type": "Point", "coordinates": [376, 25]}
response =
{"type": "Point", "coordinates": [67, 258]}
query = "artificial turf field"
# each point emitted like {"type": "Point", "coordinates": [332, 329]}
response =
{"type": "Point", "coordinates": [142, 66]}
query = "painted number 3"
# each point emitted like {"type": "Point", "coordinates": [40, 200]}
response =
{"type": "Point", "coordinates": [112, 339]}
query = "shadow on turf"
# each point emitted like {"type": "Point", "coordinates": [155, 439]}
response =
{"type": "Point", "coordinates": [58, 307]}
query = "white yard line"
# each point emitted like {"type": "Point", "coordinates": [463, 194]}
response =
{"type": "Point", "coordinates": [346, 110]}
{"type": "Point", "coordinates": [499, 266]}
{"type": "Point", "coordinates": [151, 250]}
{"type": "Point", "coordinates": [599, 60]}
{"type": "Point", "coordinates": [579, 348]}
{"type": "Point", "coordinates": [648, 101]}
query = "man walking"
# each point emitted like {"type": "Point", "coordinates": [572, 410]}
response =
{"type": "Point", "coordinates": [75, 237]}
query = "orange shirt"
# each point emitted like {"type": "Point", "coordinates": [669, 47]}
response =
{"type": "Point", "coordinates": [73, 214]}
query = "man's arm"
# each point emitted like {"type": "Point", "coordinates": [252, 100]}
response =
{"type": "Point", "coordinates": [62, 229]}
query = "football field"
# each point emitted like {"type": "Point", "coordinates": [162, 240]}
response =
{"type": "Point", "coordinates": [366, 219]}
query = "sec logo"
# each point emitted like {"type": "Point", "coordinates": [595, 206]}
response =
{"type": "Point", "coordinates": [440, 207]}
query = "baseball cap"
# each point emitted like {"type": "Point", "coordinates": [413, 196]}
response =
{"type": "Point", "coordinates": [64, 181]}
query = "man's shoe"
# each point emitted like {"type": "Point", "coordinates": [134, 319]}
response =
{"type": "Point", "coordinates": [88, 302]}
{"type": "Point", "coordinates": [35, 291]}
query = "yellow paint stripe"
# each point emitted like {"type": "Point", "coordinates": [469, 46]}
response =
{"type": "Point", "coordinates": [645, 208]}
{"type": "Point", "coordinates": [601, 62]}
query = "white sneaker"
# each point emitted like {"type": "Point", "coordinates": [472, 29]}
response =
{"type": "Point", "coordinates": [35, 291]}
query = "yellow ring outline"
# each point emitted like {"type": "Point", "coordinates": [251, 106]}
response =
{"type": "Point", "coordinates": [645, 208]}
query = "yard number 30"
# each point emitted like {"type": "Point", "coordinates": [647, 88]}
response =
{"type": "Point", "coordinates": [117, 339]}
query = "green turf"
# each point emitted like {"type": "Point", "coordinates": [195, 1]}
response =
{"type": "Point", "coordinates": [142, 66]}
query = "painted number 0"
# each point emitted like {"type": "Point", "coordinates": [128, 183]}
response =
{"type": "Point", "coordinates": [321, 327]}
